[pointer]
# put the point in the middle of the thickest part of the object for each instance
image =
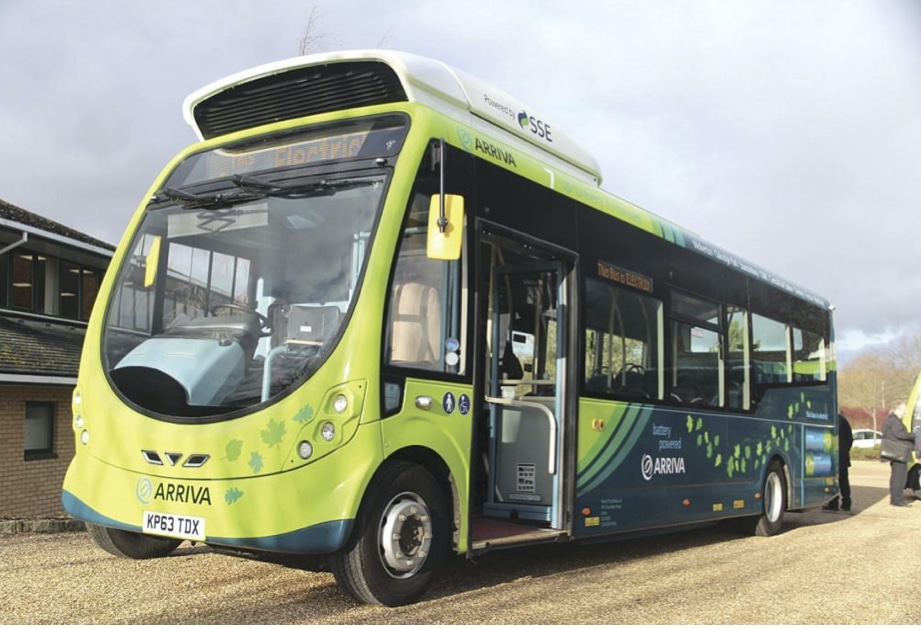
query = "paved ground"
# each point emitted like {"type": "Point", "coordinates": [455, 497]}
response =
{"type": "Point", "coordinates": [825, 568]}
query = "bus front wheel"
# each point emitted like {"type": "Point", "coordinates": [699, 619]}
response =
{"type": "Point", "coordinates": [131, 545]}
{"type": "Point", "coordinates": [774, 498]}
{"type": "Point", "coordinates": [400, 538]}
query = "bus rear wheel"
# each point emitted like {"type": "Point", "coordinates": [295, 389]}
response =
{"type": "Point", "coordinates": [774, 497]}
{"type": "Point", "coordinates": [400, 538]}
{"type": "Point", "coordinates": [131, 545]}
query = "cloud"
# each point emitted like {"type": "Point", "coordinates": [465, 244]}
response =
{"type": "Point", "coordinates": [784, 131]}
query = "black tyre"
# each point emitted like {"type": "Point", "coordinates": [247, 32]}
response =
{"type": "Point", "coordinates": [774, 498]}
{"type": "Point", "coordinates": [131, 545]}
{"type": "Point", "coordinates": [400, 538]}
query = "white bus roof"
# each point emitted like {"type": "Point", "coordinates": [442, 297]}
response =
{"type": "Point", "coordinates": [436, 85]}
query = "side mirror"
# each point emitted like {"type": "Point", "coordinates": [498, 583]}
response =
{"type": "Point", "coordinates": [446, 227]}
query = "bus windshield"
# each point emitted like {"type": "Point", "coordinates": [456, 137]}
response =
{"type": "Point", "coordinates": [236, 286]}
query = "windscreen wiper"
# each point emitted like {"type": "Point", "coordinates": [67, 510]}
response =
{"type": "Point", "coordinates": [192, 201]}
{"type": "Point", "coordinates": [287, 190]}
{"type": "Point", "coordinates": [251, 188]}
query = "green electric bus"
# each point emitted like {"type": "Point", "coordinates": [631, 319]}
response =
{"type": "Point", "coordinates": [383, 312]}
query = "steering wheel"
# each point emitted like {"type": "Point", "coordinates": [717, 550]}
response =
{"type": "Point", "coordinates": [263, 320]}
{"type": "Point", "coordinates": [633, 367]}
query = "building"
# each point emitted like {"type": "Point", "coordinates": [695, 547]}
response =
{"type": "Point", "coordinates": [49, 279]}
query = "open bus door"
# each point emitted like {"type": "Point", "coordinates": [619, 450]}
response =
{"type": "Point", "coordinates": [912, 420]}
{"type": "Point", "coordinates": [526, 383]}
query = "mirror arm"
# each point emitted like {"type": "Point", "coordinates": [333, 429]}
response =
{"type": "Point", "coordinates": [442, 218]}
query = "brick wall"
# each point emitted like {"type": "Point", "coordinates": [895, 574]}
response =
{"type": "Point", "coordinates": [32, 489]}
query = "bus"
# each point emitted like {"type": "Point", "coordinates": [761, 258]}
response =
{"type": "Point", "coordinates": [382, 313]}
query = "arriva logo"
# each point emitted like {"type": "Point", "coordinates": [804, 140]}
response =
{"type": "Point", "coordinates": [171, 492]}
{"type": "Point", "coordinates": [661, 465]}
{"type": "Point", "coordinates": [537, 127]}
{"type": "Point", "coordinates": [144, 490]}
{"type": "Point", "coordinates": [465, 138]}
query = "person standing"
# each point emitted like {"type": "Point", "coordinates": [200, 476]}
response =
{"type": "Point", "coordinates": [845, 440]}
{"type": "Point", "coordinates": [902, 442]}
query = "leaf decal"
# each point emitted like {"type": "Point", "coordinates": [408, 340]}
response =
{"type": "Point", "coordinates": [255, 462]}
{"type": "Point", "coordinates": [232, 495]}
{"type": "Point", "coordinates": [304, 415]}
{"type": "Point", "coordinates": [690, 424]}
{"type": "Point", "coordinates": [233, 449]}
{"type": "Point", "coordinates": [273, 433]}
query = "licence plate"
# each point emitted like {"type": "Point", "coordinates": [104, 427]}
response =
{"type": "Point", "coordinates": [181, 526]}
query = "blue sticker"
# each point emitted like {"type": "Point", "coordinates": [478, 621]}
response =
{"type": "Point", "coordinates": [447, 403]}
{"type": "Point", "coordinates": [463, 404]}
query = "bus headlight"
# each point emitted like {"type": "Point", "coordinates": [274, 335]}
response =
{"type": "Point", "coordinates": [340, 404]}
{"type": "Point", "coordinates": [328, 431]}
{"type": "Point", "coordinates": [85, 437]}
{"type": "Point", "coordinates": [304, 450]}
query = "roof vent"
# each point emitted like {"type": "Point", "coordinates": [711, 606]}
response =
{"type": "Point", "coordinates": [296, 93]}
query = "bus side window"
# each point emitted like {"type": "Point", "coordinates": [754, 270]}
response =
{"type": "Point", "coordinates": [622, 343]}
{"type": "Point", "coordinates": [424, 301]}
{"type": "Point", "coordinates": [738, 382]}
{"type": "Point", "coordinates": [416, 325]}
{"type": "Point", "coordinates": [769, 351]}
{"type": "Point", "coordinates": [697, 355]}
{"type": "Point", "coordinates": [809, 357]}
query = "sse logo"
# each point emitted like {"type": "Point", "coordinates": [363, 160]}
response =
{"type": "Point", "coordinates": [538, 127]}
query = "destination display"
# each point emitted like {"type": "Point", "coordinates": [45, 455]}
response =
{"type": "Point", "coordinates": [369, 138]}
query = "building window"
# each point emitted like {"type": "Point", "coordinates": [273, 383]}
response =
{"type": "Point", "coordinates": [69, 294]}
{"type": "Point", "coordinates": [39, 433]}
{"type": "Point", "coordinates": [78, 288]}
{"type": "Point", "coordinates": [48, 285]}
{"type": "Point", "coordinates": [28, 281]}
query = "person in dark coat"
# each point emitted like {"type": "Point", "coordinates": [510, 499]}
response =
{"type": "Point", "coordinates": [845, 440]}
{"type": "Point", "coordinates": [893, 428]}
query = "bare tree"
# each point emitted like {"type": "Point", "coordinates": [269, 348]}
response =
{"type": "Point", "coordinates": [313, 40]}
{"type": "Point", "coordinates": [862, 385]}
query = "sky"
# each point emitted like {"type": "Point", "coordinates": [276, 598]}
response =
{"type": "Point", "coordinates": [785, 131]}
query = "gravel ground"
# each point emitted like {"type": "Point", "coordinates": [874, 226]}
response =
{"type": "Point", "coordinates": [823, 569]}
